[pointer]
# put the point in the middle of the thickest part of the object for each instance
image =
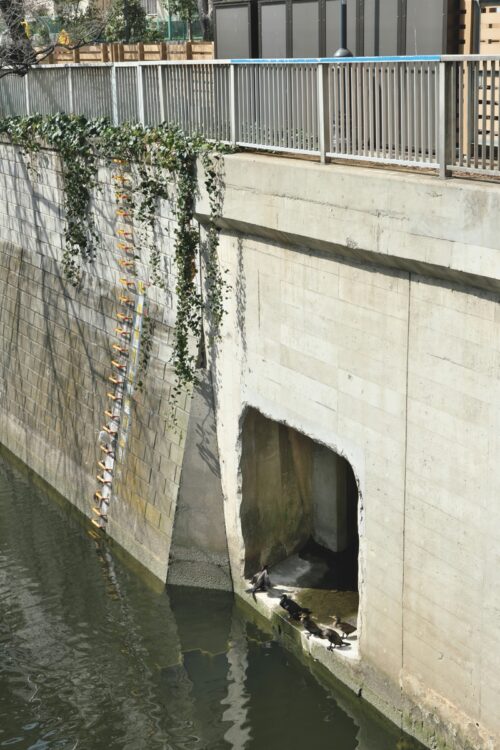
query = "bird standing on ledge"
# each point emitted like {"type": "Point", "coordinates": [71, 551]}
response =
{"type": "Point", "coordinates": [311, 627]}
{"type": "Point", "coordinates": [260, 581]}
{"type": "Point", "coordinates": [295, 611]}
{"type": "Point", "coordinates": [345, 628]}
{"type": "Point", "coordinates": [334, 638]}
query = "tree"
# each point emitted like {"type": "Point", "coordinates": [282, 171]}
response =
{"type": "Point", "coordinates": [18, 18]}
{"type": "Point", "coordinates": [126, 22]}
{"type": "Point", "coordinates": [206, 12]}
{"type": "Point", "coordinates": [187, 10]}
{"type": "Point", "coordinates": [15, 46]}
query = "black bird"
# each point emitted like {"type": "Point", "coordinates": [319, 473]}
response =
{"type": "Point", "coordinates": [260, 581]}
{"type": "Point", "coordinates": [294, 610]}
{"type": "Point", "coordinates": [344, 627]}
{"type": "Point", "coordinates": [311, 627]}
{"type": "Point", "coordinates": [334, 638]}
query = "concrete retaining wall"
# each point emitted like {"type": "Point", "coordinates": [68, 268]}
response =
{"type": "Point", "coordinates": [55, 357]}
{"type": "Point", "coordinates": [364, 314]}
{"type": "Point", "coordinates": [361, 317]}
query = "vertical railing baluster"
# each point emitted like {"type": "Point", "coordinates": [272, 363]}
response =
{"type": "Point", "coordinates": [141, 115]}
{"type": "Point", "coordinates": [360, 102]}
{"type": "Point", "coordinates": [370, 108]}
{"type": "Point", "coordinates": [348, 120]}
{"type": "Point", "coordinates": [233, 104]}
{"type": "Point", "coordinates": [422, 118]}
{"type": "Point", "coordinates": [431, 111]}
{"type": "Point", "coordinates": [335, 141]}
{"type": "Point", "coordinates": [383, 109]}
{"type": "Point", "coordinates": [27, 93]}
{"type": "Point", "coordinates": [476, 113]}
{"type": "Point", "coordinates": [342, 94]}
{"type": "Point", "coordinates": [161, 92]}
{"type": "Point", "coordinates": [323, 109]}
{"type": "Point", "coordinates": [390, 116]}
{"type": "Point", "coordinates": [403, 126]}
{"type": "Point", "coordinates": [446, 125]}
{"type": "Point", "coordinates": [114, 97]}
{"type": "Point", "coordinates": [461, 95]}
{"type": "Point", "coordinates": [453, 115]}
{"type": "Point", "coordinates": [71, 101]}
{"type": "Point", "coordinates": [493, 69]}
{"type": "Point", "coordinates": [484, 113]}
{"type": "Point", "coordinates": [442, 156]}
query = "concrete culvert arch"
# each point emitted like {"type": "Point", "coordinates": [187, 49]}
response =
{"type": "Point", "coordinates": [299, 510]}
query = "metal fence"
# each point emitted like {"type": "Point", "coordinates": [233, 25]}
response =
{"type": "Point", "coordinates": [421, 112]}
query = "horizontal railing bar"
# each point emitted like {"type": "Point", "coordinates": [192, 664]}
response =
{"type": "Point", "coordinates": [425, 165]}
{"type": "Point", "coordinates": [317, 60]}
{"type": "Point", "coordinates": [280, 149]}
{"type": "Point", "coordinates": [129, 64]}
{"type": "Point", "coordinates": [469, 58]}
{"type": "Point", "coordinates": [473, 170]}
{"type": "Point", "coordinates": [274, 61]}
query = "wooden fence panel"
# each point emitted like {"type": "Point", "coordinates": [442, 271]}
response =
{"type": "Point", "coordinates": [490, 30]}
{"type": "Point", "coordinates": [118, 52]}
{"type": "Point", "coordinates": [466, 27]}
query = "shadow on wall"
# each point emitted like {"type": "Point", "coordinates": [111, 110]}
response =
{"type": "Point", "coordinates": [298, 497]}
{"type": "Point", "coordinates": [47, 365]}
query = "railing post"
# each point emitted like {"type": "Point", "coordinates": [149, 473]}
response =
{"type": "Point", "coordinates": [161, 94]}
{"type": "Point", "coordinates": [233, 105]}
{"type": "Point", "coordinates": [323, 111]}
{"type": "Point", "coordinates": [71, 98]}
{"type": "Point", "coordinates": [140, 94]}
{"type": "Point", "coordinates": [114, 96]}
{"type": "Point", "coordinates": [27, 93]}
{"type": "Point", "coordinates": [445, 124]}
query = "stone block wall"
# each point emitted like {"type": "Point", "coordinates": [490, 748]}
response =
{"type": "Point", "coordinates": [55, 358]}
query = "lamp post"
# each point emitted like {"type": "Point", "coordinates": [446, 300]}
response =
{"type": "Point", "coordinates": [343, 51]}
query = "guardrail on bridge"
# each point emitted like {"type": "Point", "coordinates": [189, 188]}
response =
{"type": "Point", "coordinates": [437, 112]}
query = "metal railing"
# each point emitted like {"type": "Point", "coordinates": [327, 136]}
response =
{"type": "Point", "coordinates": [437, 112]}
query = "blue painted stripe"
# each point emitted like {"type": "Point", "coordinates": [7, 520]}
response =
{"type": "Point", "coordinates": [315, 60]}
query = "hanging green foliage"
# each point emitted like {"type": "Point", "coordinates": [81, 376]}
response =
{"type": "Point", "coordinates": [163, 163]}
{"type": "Point", "coordinates": [72, 138]}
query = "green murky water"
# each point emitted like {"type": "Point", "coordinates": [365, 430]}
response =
{"type": "Point", "coordinates": [93, 658]}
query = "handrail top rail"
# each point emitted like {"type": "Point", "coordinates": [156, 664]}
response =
{"type": "Point", "coordinates": [318, 60]}
{"type": "Point", "coordinates": [470, 58]}
{"type": "Point", "coordinates": [274, 61]}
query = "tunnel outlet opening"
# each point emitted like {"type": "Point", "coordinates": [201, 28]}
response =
{"type": "Point", "coordinates": [299, 515]}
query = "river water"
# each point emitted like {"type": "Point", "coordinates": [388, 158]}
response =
{"type": "Point", "coordinates": [92, 657]}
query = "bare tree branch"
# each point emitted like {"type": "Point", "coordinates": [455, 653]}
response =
{"type": "Point", "coordinates": [84, 24]}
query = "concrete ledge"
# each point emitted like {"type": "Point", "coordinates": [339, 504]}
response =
{"type": "Point", "coordinates": [414, 222]}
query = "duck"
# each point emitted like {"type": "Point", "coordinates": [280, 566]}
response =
{"type": "Point", "coordinates": [294, 610]}
{"type": "Point", "coordinates": [311, 627]}
{"type": "Point", "coordinates": [334, 638]}
{"type": "Point", "coordinates": [345, 628]}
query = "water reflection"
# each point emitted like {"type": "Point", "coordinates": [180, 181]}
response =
{"type": "Point", "coordinates": [91, 657]}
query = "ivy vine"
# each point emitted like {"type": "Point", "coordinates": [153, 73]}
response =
{"type": "Point", "coordinates": [147, 335]}
{"type": "Point", "coordinates": [162, 162]}
{"type": "Point", "coordinates": [72, 138]}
